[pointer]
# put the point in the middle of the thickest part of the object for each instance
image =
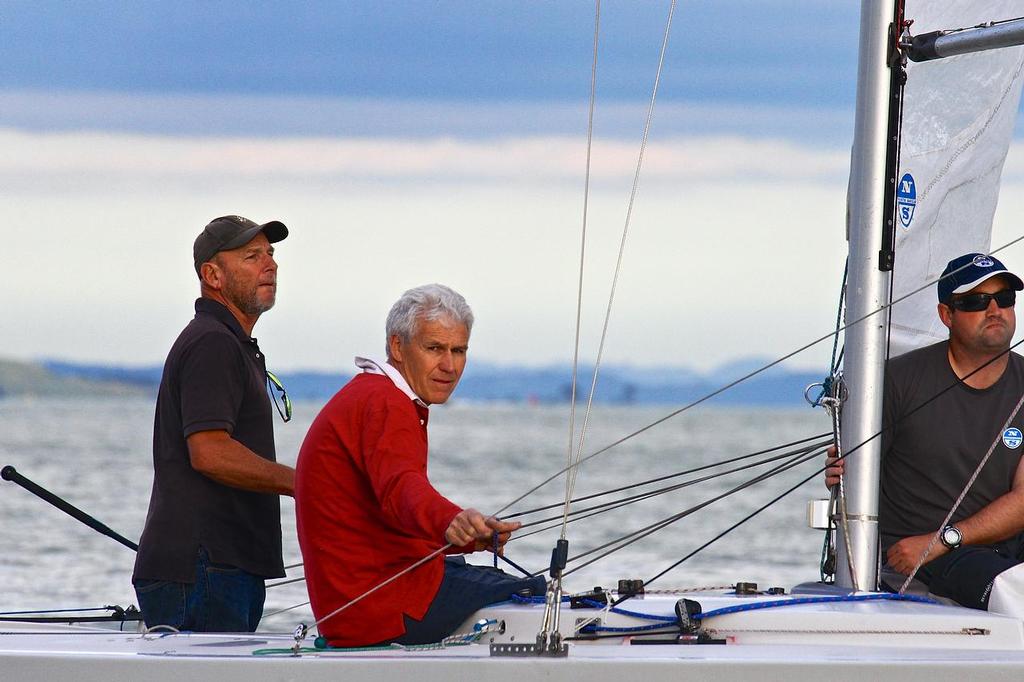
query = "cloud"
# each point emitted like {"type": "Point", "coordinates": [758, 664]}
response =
{"type": "Point", "coordinates": [90, 158]}
{"type": "Point", "coordinates": [100, 226]}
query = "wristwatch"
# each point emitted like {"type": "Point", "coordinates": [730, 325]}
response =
{"type": "Point", "coordinates": [951, 537]}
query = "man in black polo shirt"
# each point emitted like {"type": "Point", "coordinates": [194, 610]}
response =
{"type": "Point", "coordinates": [213, 531]}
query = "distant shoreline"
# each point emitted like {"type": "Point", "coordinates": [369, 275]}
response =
{"type": "Point", "coordinates": [483, 382]}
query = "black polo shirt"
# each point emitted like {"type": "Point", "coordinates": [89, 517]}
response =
{"type": "Point", "coordinates": [214, 379]}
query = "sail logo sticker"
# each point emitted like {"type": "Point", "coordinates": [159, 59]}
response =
{"type": "Point", "coordinates": [906, 199]}
{"type": "Point", "coordinates": [1012, 438]}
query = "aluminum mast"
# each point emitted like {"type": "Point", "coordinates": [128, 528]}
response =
{"type": "Point", "coordinates": [867, 291]}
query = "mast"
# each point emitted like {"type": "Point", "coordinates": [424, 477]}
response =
{"type": "Point", "coordinates": [867, 291]}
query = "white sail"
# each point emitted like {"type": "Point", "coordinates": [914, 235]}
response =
{"type": "Point", "coordinates": [958, 120]}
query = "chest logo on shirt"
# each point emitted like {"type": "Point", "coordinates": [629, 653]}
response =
{"type": "Point", "coordinates": [1012, 438]}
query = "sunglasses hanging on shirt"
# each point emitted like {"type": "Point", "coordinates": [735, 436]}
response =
{"type": "Point", "coordinates": [274, 383]}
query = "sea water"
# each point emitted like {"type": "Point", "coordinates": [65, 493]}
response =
{"type": "Point", "coordinates": [96, 454]}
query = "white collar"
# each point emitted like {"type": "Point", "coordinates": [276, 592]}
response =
{"type": "Point", "coordinates": [375, 366]}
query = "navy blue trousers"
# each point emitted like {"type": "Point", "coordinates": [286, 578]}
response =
{"type": "Point", "coordinates": [464, 589]}
{"type": "Point", "coordinates": [965, 575]}
{"type": "Point", "coordinates": [222, 599]}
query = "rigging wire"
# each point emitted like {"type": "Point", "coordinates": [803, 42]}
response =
{"type": "Point", "coordinates": [951, 386]}
{"type": "Point", "coordinates": [570, 480]}
{"type": "Point", "coordinates": [588, 512]}
{"type": "Point", "coordinates": [618, 263]}
{"type": "Point", "coordinates": [666, 477]}
{"type": "Point", "coordinates": [687, 407]}
{"type": "Point", "coordinates": [731, 384]}
{"type": "Point", "coordinates": [641, 533]}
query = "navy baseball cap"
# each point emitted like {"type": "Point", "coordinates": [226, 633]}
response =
{"type": "Point", "coordinates": [229, 232]}
{"type": "Point", "coordinates": [968, 271]}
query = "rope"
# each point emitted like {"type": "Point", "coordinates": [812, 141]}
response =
{"type": "Point", "coordinates": [641, 533]}
{"type": "Point", "coordinates": [799, 601]}
{"type": "Point", "coordinates": [589, 512]}
{"type": "Point", "coordinates": [666, 418]}
{"type": "Point", "coordinates": [730, 529]}
{"type": "Point", "coordinates": [321, 646]}
{"type": "Point", "coordinates": [370, 591]}
{"type": "Point", "coordinates": [736, 382]}
{"type": "Point", "coordinates": [661, 620]}
{"type": "Point", "coordinates": [666, 477]}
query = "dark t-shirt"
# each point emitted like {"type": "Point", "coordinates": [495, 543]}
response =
{"type": "Point", "coordinates": [214, 379]}
{"type": "Point", "coordinates": [940, 431]}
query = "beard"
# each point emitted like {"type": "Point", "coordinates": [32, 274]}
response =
{"type": "Point", "coordinates": [248, 300]}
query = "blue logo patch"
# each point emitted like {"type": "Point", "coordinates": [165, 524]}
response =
{"type": "Point", "coordinates": [906, 199]}
{"type": "Point", "coordinates": [1012, 438]}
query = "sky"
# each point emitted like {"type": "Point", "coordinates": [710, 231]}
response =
{"type": "Point", "coordinates": [406, 143]}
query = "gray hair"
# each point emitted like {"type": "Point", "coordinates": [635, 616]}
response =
{"type": "Point", "coordinates": [426, 303]}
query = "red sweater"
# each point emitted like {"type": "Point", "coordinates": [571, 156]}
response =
{"type": "Point", "coordinates": [366, 511]}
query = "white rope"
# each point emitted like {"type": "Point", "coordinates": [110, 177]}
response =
{"type": "Point", "coordinates": [390, 580]}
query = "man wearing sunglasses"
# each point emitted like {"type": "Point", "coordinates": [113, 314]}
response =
{"type": "Point", "coordinates": [213, 531]}
{"type": "Point", "coordinates": [945, 406]}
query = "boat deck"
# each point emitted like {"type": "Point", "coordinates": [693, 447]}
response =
{"type": "Point", "coordinates": [837, 641]}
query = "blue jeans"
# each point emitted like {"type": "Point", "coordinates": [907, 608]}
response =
{"type": "Point", "coordinates": [222, 599]}
{"type": "Point", "coordinates": [464, 589]}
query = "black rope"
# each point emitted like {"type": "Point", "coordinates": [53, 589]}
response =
{"type": "Point", "coordinates": [737, 525]}
{"type": "Point", "coordinates": [658, 479]}
{"type": "Point", "coordinates": [634, 536]}
{"type": "Point", "coordinates": [665, 522]}
{"type": "Point", "coordinates": [731, 384]}
{"type": "Point", "coordinates": [844, 456]}
{"type": "Point", "coordinates": [589, 512]}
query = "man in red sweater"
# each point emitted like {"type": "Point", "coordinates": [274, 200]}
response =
{"type": "Point", "coordinates": [366, 512]}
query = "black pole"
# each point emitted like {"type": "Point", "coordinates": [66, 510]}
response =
{"type": "Point", "coordinates": [9, 473]}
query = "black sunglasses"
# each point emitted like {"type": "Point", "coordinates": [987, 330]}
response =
{"type": "Point", "coordinates": [272, 380]}
{"type": "Point", "coordinates": [975, 303]}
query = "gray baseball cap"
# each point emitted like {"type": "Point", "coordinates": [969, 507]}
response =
{"type": "Point", "coordinates": [229, 232]}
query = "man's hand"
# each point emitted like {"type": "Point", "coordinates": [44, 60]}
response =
{"type": "Point", "coordinates": [469, 525]}
{"type": "Point", "coordinates": [904, 555]}
{"type": "Point", "coordinates": [833, 467]}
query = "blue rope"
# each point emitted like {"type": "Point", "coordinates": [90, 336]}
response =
{"type": "Point", "coordinates": [634, 614]}
{"type": "Point", "coordinates": [639, 628]}
{"type": "Point", "coordinates": [534, 600]}
{"type": "Point", "coordinates": [751, 606]}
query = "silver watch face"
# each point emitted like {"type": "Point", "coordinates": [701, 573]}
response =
{"type": "Point", "coordinates": [951, 536]}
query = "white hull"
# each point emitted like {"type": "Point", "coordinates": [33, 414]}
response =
{"type": "Point", "coordinates": [840, 641]}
